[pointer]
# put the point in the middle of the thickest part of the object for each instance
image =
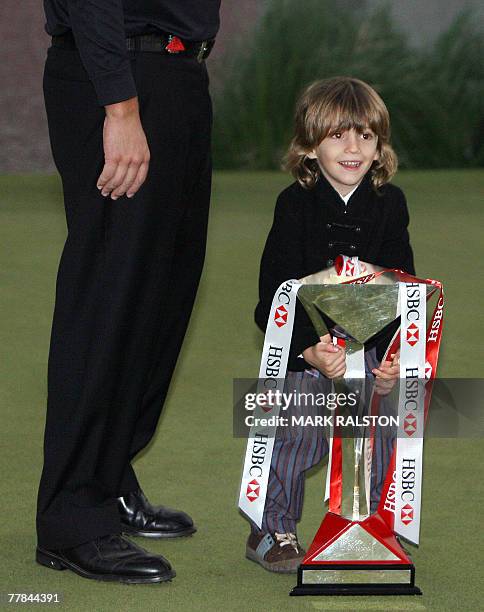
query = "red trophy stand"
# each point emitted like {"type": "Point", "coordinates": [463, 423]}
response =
{"type": "Point", "coordinates": [355, 558]}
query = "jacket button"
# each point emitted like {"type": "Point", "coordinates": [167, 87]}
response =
{"type": "Point", "coordinates": [330, 262]}
{"type": "Point", "coordinates": [357, 229]}
{"type": "Point", "coordinates": [329, 225]}
{"type": "Point", "coordinates": [353, 247]}
{"type": "Point", "coordinates": [330, 245]}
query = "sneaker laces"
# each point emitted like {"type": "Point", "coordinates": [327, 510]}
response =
{"type": "Point", "coordinates": [287, 539]}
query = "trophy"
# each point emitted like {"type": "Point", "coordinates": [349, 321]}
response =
{"type": "Point", "coordinates": [356, 551]}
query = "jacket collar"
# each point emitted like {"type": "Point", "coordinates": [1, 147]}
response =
{"type": "Point", "coordinates": [327, 194]}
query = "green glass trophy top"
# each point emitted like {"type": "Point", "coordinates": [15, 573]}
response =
{"type": "Point", "coordinates": [360, 310]}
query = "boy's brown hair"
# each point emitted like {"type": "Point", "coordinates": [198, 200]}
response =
{"type": "Point", "coordinates": [339, 104]}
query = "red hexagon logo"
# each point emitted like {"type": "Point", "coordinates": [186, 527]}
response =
{"type": "Point", "coordinates": [412, 334]}
{"type": "Point", "coordinates": [410, 424]}
{"type": "Point", "coordinates": [280, 316]}
{"type": "Point", "coordinates": [406, 514]}
{"type": "Point", "coordinates": [253, 490]}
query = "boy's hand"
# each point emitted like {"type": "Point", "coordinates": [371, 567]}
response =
{"type": "Point", "coordinates": [326, 357]}
{"type": "Point", "coordinates": [387, 374]}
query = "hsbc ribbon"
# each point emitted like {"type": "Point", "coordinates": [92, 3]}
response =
{"type": "Point", "coordinates": [409, 443]}
{"type": "Point", "coordinates": [272, 374]}
{"type": "Point", "coordinates": [400, 503]}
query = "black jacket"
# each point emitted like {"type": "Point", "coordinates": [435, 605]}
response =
{"type": "Point", "coordinates": [311, 227]}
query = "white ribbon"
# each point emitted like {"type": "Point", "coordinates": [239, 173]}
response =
{"type": "Point", "coordinates": [409, 445]}
{"type": "Point", "coordinates": [272, 374]}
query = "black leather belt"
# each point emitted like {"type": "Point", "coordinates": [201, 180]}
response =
{"type": "Point", "coordinates": [154, 43]}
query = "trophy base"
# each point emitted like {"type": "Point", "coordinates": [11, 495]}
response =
{"type": "Point", "coordinates": [355, 589]}
{"type": "Point", "coordinates": [355, 558]}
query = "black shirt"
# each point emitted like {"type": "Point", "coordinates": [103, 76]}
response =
{"type": "Point", "coordinates": [311, 227]}
{"type": "Point", "coordinates": [100, 28]}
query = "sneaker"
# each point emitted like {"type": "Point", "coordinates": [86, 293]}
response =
{"type": "Point", "coordinates": [276, 552]}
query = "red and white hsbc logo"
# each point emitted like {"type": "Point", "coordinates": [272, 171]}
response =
{"type": "Point", "coordinates": [413, 314]}
{"type": "Point", "coordinates": [280, 316]}
{"type": "Point", "coordinates": [406, 514]}
{"type": "Point", "coordinates": [410, 424]}
{"type": "Point", "coordinates": [412, 334]}
{"type": "Point", "coordinates": [253, 490]}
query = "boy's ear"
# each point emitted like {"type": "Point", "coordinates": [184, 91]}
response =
{"type": "Point", "coordinates": [377, 155]}
{"type": "Point", "coordinates": [311, 155]}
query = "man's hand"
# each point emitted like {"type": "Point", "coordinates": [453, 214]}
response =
{"type": "Point", "coordinates": [387, 374]}
{"type": "Point", "coordinates": [327, 357]}
{"type": "Point", "coordinates": [126, 152]}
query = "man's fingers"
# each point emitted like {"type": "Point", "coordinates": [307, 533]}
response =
{"type": "Point", "coordinates": [107, 173]}
{"type": "Point", "coordinates": [121, 179]}
{"type": "Point", "coordinates": [117, 179]}
{"type": "Point", "coordinates": [130, 176]}
{"type": "Point", "coordinates": [139, 180]}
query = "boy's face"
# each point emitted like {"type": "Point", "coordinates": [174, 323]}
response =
{"type": "Point", "coordinates": [345, 157]}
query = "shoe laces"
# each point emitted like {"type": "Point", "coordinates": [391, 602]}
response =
{"type": "Point", "coordinates": [287, 539]}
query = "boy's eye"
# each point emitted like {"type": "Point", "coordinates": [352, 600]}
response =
{"type": "Point", "coordinates": [367, 135]}
{"type": "Point", "coordinates": [336, 135]}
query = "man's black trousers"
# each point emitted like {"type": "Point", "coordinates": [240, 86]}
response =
{"type": "Point", "coordinates": [126, 284]}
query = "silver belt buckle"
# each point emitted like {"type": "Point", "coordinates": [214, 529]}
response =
{"type": "Point", "coordinates": [201, 52]}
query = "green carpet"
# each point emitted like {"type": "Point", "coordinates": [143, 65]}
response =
{"type": "Point", "coordinates": [194, 462]}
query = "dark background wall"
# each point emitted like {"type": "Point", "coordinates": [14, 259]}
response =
{"type": "Point", "coordinates": [23, 133]}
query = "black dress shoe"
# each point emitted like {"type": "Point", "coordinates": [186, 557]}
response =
{"type": "Point", "coordinates": [140, 518]}
{"type": "Point", "coordinates": [111, 558]}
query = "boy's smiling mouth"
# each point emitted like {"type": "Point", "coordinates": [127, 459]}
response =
{"type": "Point", "coordinates": [350, 165]}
